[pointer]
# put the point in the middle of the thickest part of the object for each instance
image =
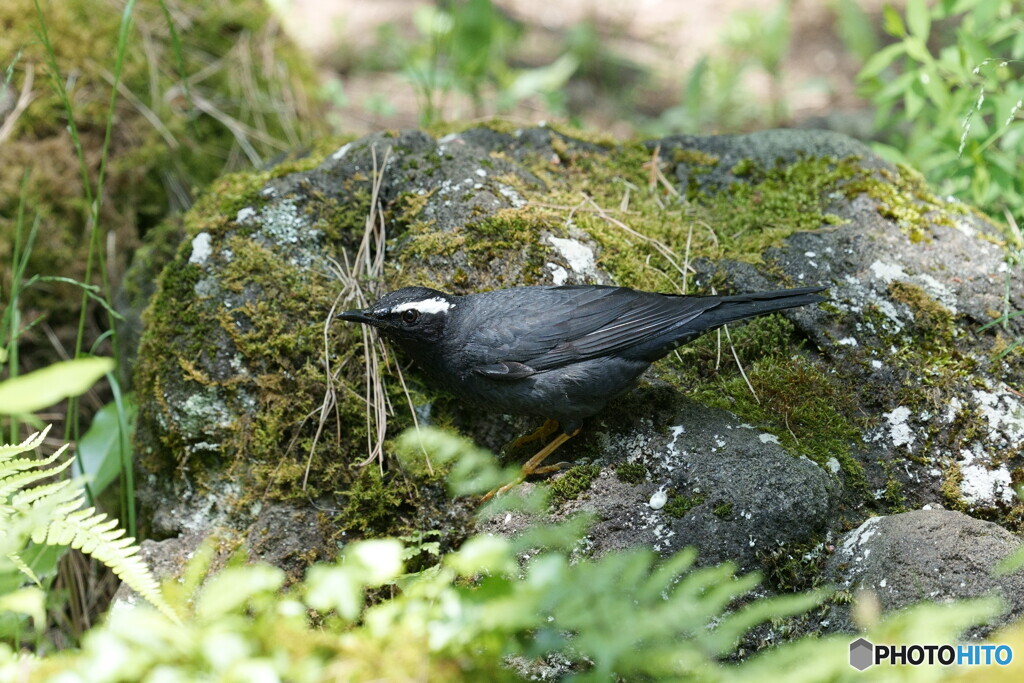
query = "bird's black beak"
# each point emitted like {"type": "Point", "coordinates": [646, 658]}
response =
{"type": "Point", "coordinates": [358, 316]}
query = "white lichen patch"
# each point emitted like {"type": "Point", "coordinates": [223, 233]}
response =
{"type": "Point", "coordinates": [559, 275]}
{"type": "Point", "coordinates": [768, 438]}
{"type": "Point", "coordinates": [847, 341]}
{"type": "Point", "coordinates": [245, 215]}
{"type": "Point", "coordinates": [283, 223]}
{"type": "Point", "coordinates": [952, 410]}
{"type": "Point", "coordinates": [853, 545]}
{"type": "Point", "coordinates": [981, 485]}
{"type": "Point", "coordinates": [887, 272]}
{"type": "Point", "coordinates": [513, 197]}
{"type": "Point", "coordinates": [579, 256]}
{"type": "Point", "coordinates": [342, 151]}
{"type": "Point", "coordinates": [1005, 416]}
{"type": "Point", "coordinates": [897, 428]}
{"type": "Point", "coordinates": [855, 296]}
{"type": "Point", "coordinates": [201, 249]}
{"type": "Point", "coordinates": [936, 290]}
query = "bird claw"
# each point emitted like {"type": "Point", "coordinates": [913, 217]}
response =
{"type": "Point", "coordinates": [552, 468]}
{"type": "Point", "coordinates": [532, 466]}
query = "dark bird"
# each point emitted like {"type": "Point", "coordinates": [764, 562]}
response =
{"type": "Point", "coordinates": [556, 352]}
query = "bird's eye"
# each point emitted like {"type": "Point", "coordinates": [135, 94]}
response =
{"type": "Point", "coordinates": [410, 315]}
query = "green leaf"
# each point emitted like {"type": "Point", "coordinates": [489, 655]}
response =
{"type": "Point", "coordinates": [335, 588]}
{"type": "Point", "coordinates": [100, 448]}
{"type": "Point", "coordinates": [377, 560]}
{"type": "Point", "coordinates": [856, 29]}
{"type": "Point", "coordinates": [892, 22]}
{"type": "Point", "coordinates": [546, 79]}
{"type": "Point", "coordinates": [935, 88]}
{"type": "Point", "coordinates": [486, 554]}
{"type": "Point", "coordinates": [913, 102]}
{"type": "Point", "coordinates": [881, 60]}
{"type": "Point", "coordinates": [1011, 563]}
{"type": "Point", "coordinates": [42, 388]}
{"type": "Point", "coordinates": [918, 19]}
{"type": "Point", "coordinates": [29, 600]}
{"type": "Point", "coordinates": [235, 587]}
{"type": "Point", "coordinates": [916, 49]}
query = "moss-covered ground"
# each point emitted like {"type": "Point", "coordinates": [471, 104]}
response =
{"type": "Point", "coordinates": [169, 140]}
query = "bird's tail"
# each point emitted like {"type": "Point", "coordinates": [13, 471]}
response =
{"type": "Point", "coordinates": [742, 306]}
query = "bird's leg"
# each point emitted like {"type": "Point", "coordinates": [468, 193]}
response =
{"type": "Point", "coordinates": [542, 432]}
{"type": "Point", "coordinates": [532, 466]}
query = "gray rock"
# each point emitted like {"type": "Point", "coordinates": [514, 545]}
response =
{"type": "Point", "coordinates": [732, 491]}
{"type": "Point", "coordinates": [925, 556]}
{"type": "Point", "coordinates": [889, 388]}
{"type": "Point", "coordinates": [166, 559]}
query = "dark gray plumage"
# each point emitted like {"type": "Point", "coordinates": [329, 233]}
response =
{"type": "Point", "coordinates": [555, 352]}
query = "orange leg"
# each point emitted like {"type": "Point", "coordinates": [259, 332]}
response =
{"type": "Point", "coordinates": [542, 432]}
{"type": "Point", "coordinates": [532, 466]}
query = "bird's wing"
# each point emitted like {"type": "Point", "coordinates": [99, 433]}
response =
{"type": "Point", "coordinates": [572, 324]}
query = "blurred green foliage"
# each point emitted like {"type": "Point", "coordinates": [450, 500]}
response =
{"type": "Point", "coordinates": [948, 93]}
{"type": "Point", "coordinates": [497, 609]}
{"type": "Point", "coordinates": [468, 46]}
{"type": "Point", "coordinates": [715, 94]}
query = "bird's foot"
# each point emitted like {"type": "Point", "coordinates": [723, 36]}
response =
{"type": "Point", "coordinates": [558, 466]}
{"type": "Point", "coordinates": [542, 432]}
{"type": "Point", "coordinates": [532, 466]}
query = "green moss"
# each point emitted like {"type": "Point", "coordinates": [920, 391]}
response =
{"type": "Point", "coordinates": [723, 509]}
{"type": "Point", "coordinates": [631, 472]}
{"type": "Point", "coordinates": [932, 319]}
{"type": "Point", "coordinates": [951, 480]}
{"type": "Point", "coordinates": [249, 68]}
{"type": "Point", "coordinates": [904, 197]}
{"type": "Point", "coordinates": [774, 203]}
{"type": "Point", "coordinates": [693, 157]}
{"type": "Point", "coordinates": [743, 168]}
{"type": "Point", "coordinates": [511, 236]}
{"type": "Point", "coordinates": [678, 505]}
{"type": "Point", "coordinates": [372, 505]}
{"type": "Point", "coordinates": [809, 411]}
{"type": "Point", "coordinates": [794, 567]}
{"type": "Point", "coordinates": [572, 483]}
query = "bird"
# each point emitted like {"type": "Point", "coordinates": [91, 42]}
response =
{"type": "Point", "coordinates": [555, 352]}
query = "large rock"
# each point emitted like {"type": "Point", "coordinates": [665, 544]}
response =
{"type": "Point", "coordinates": [728, 487]}
{"type": "Point", "coordinates": [925, 555]}
{"type": "Point", "coordinates": [884, 399]}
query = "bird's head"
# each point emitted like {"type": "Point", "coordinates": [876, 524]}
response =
{"type": "Point", "coordinates": [409, 316]}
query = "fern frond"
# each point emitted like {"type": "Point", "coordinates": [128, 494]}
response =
{"type": "Point", "coordinates": [24, 568]}
{"type": "Point", "coordinates": [66, 522]}
{"type": "Point", "coordinates": [99, 537]}
{"type": "Point", "coordinates": [61, 491]}
{"type": "Point", "coordinates": [31, 443]}
{"type": "Point", "coordinates": [10, 466]}
{"type": "Point", "coordinates": [21, 480]}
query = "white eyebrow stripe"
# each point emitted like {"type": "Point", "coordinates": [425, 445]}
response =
{"type": "Point", "coordinates": [435, 305]}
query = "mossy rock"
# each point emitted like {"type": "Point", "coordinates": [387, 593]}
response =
{"type": "Point", "coordinates": [231, 371]}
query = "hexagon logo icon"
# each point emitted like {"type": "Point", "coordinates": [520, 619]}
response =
{"type": "Point", "coordinates": [861, 654]}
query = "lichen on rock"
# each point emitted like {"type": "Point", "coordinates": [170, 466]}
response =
{"type": "Point", "coordinates": [884, 399]}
